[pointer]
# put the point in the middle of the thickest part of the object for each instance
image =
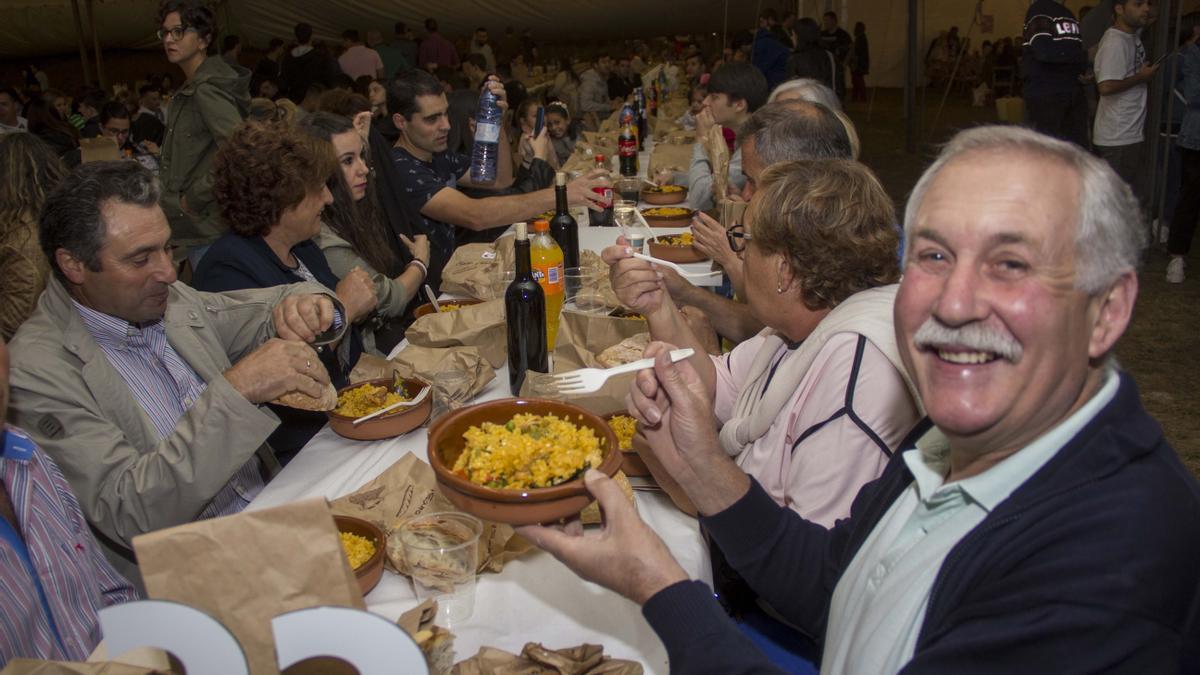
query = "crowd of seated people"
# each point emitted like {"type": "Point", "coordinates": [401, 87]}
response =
{"type": "Point", "coordinates": [157, 310]}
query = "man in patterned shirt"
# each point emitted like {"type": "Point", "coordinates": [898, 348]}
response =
{"type": "Point", "coordinates": [430, 175]}
{"type": "Point", "coordinates": [147, 393]}
{"type": "Point", "coordinates": [55, 577]}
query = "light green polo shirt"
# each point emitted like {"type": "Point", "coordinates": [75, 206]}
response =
{"type": "Point", "coordinates": [880, 601]}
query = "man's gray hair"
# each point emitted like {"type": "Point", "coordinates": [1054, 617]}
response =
{"type": "Point", "coordinates": [797, 130]}
{"type": "Point", "coordinates": [1110, 235]}
{"type": "Point", "coordinates": [71, 218]}
{"type": "Point", "coordinates": [813, 91]}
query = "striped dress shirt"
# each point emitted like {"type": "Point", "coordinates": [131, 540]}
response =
{"type": "Point", "coordinates": [165, 387]}
{"type": "Point", "coordinates": [58, 620]}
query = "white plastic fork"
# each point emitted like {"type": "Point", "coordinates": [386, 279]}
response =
{"type": "Point", "coordinates": [682, 272]}
{"type": "Point", "coordinates": [588, 380]}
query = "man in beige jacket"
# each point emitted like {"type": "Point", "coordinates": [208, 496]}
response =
{"type": "Point", "coordinates": [148, 393]}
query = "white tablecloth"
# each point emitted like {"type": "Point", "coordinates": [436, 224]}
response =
{"type": "Point", "coordinates": [535, 598]}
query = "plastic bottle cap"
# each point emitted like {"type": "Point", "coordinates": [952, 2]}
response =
{"type": "Point", "coordinates": [522, 232]}
{"type": "Point", "coordinates": [541, 225]}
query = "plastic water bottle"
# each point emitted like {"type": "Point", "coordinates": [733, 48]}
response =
{"type": "Point", "coordinates": [487, 138]}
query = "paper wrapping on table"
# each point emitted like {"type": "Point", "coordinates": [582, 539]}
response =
{"type": "Point", "coordinates": [481, 326]}
{"type": "Point", "coordinates": [580, 338]}
{"type": "Point", "coordinates": [246, 569]}
{"type": "Point", "coordinates": [590, 515]}
{"type": "Point", "coordinates": [601, 283]}
{"type": "Point", "coordinates": [731, 212]}
{"type": "Point", "coordinates": [537, 660]}
{"type": "Point", "coordinates": [435, 642]}
{"type": "Point", "coordinates": [425, 362]}
{"type": "Point", "coordinates": [601, 142]}
{"type": "Point", "coordinates": [98, 149]}
{"type": "Point", "coordinates": [409, 488]}
{"type": "Point", "coordinates": [673, 156]}
{"type": "Point", "coordinates": [673, 107]}
{"type": "Point", "coordinates": [718, 157]}
{"type": "Point", "coordinates": [39, 667]}
{"type": "Point", "coordinates": [580, 161]}
{"type": "Point", "coordinates": [613, 123]}
{"type": "Point", "coordinates": [474, 270]}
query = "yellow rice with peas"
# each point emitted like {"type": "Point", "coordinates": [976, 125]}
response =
{"type": "Point", "coordinates": [530, 451]}
{"type": "Point", "coordinates": [358, 549]}
{"type": "Point", "coordinates": [366, 399]}
{"type": "Point", "coordinates": [624, 427]}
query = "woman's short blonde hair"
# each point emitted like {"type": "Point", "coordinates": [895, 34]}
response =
{"type": "Point", "coordinates": [833, 223]}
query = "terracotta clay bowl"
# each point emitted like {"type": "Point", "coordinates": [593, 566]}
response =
{"type": "Point", "coordinates": [369, 573]}
{"type": "Point", "coordinates": [515, 507]}
{"type": "Point", "coordinates": [675, 254]}
{"type": "Point", "coordinates": [631, 463]}
{"type": "Point", "coordinates": [658, 198]}
{"type": "Point", "coordinates": [392, 424]}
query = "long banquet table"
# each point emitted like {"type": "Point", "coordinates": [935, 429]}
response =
{"type": "Point", "coordinates": [535, 598]}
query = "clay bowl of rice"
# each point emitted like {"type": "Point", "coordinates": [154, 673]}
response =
{"type": "Point", "coordinates": [665, 195]}
{"type": "Point", "coordinates": [625, 427]}
{"type": "Point", "coordinates": [676, 248]}
{"type": "Point", "coordinates": [364, 544]}
{"type": "Point", "coordinates": [446, 305]}
{"type": "Point", "coordinates": [520, 461]}
{"type": "Point", "coordinates": [363, 398]}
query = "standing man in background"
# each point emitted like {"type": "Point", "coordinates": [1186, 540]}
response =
{"type": "Point", "coordinates": [1052, 62]}
{"type": "Point", "coordinates": [1122, 74]}
{"type": "Point", "coordinates": [837, 42]}
{"type": "Point", "coordinates": [212, 101]}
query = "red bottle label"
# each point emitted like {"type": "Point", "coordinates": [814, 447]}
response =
{"type": "Point", "coordinates": [627, 147]}
{"type": "Point", "coordinates": [605, 194]}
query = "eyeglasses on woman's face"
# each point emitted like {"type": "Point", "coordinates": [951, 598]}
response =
{"type": "Point", "coordinates": [176, 33]}
{"type": "Point", "coordinates": [737, 237]}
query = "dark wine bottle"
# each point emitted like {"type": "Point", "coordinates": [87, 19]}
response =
{"type": "Point", "coordinates": [525, 314]}
{"type": "Point", "coordinates": [563, 227]}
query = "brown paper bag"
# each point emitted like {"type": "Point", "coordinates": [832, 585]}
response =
{"type": "Point", "coordinates": [435, 642]}
{"type": "Point", "coordinates": [601, 283]}
{"type": "Point", "coordinates": [98, 149]}
{"type": "Point", "coordinates": [673, 156]}
{"type": "Point", "coordinates": [480, 326]}
{"type": "Point", "coordinates": [425, 362]}
{"type": "Point", "coordinates": [39, 667]}
{"type": "Point", "coordinates": [537, 660]}
{"type": "Point", "coordinates": [247, 569]}
{"type": "Point", "coordinates": [718, 157]}
{"type": "Point", "coordinates": [477, 270]}
{"type": "Point", "coordinates": [580, 338]}
{"type": "Point", "coordinates": [613, 123]}
{"type": "Point", "coordinates": [409, 488]}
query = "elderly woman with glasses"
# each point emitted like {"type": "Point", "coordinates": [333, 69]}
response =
{"type": "Point", "coordinates": [812, 406]}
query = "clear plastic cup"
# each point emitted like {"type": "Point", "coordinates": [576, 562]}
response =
{"type": "Point", "coordinates": [451, 390]}
{"type": "Point", "coordinates": [441, 551]}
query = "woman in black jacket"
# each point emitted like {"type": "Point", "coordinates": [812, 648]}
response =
{"type": "Point", "coordinates": [270, 183]}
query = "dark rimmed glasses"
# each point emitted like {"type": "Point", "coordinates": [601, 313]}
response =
{"type": "Point", "coordinates": [176, 32]}
{"type": "Point", "coordinates": [737, 237]}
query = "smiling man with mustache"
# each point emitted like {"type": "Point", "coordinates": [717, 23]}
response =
{"type": "Point", "coordinates": [1038, 521]}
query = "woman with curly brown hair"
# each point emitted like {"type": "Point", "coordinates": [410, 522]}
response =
{"type": "Point", "coordinates": [813, 404]}
{"type": "Point", "coordinates": [270, 185]}
{"type": "Point", "coordinates": [31, 170]}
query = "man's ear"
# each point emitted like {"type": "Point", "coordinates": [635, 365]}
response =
{"type": "Point", "coordinates": [1110, 313]}
{"type": "Point", "coordinates": [399, 122]}
{"type": "Point", "coordinates": [72, 267]}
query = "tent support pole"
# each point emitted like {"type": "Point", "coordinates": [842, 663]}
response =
{"type": "Point", "coordinates": [83, 55]}
{"type": "Point", "coordinates": [91, 10]}
{"type": "Point", "coordinates": [910, 85]}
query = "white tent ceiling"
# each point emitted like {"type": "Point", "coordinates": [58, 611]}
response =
{"type": "Point", "coordinates": [42, 27]}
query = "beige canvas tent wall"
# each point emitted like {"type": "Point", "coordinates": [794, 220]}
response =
{"type": "Point", "coordinates": [41, 27]}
